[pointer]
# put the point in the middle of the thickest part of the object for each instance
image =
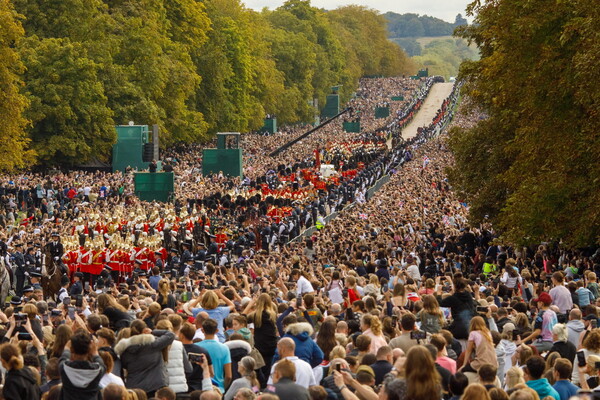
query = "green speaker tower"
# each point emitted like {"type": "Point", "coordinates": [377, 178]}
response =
{"type": "Point", "coordinates": [226, 158]}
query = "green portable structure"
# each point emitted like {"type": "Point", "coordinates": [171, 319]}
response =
{"type": "Point", "coordinates": [133, 148]}
{"type": "Point", "coordinates": [332, 106]}
{"type": "Point", "coordinates": [423, 73]}
{"type": "Point", "coordinates": [397, 98]}
{"type": "Point", "coordinates": [226, 158]}
{"type": "Point", "coordinates": [154, 186]}
{"type": "Point", "coordinates": [382, 112]}
{"type": "Point", "coordinates": [353, 126]}
{"type": "Point", "coordinates": [270, 126]}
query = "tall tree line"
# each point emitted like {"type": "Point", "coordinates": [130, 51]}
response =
{"type": "Point", "coordinates": [533, 164]}
{"type": "Point", "coordinates": [72, 69]}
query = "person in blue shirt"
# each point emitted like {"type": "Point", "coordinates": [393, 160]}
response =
{"type": "Point", "coordinates": [219, 354]}
{"type": "Point", "coordinates": [154, 278]}
{"type": "Point", "coordinates": [534, 371]}
{"type": "Point", "coordinates": [562, 374]}
{"type": "Point", "coordinates": [210, 303]}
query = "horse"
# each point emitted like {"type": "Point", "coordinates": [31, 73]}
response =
{"type": "Point", "coordinates": [51, 275]}
{"type": "Point", "coordinates": [4, 281]}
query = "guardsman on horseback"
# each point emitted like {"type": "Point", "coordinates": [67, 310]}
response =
{"type": "Point", "coordinates": [56, 250]}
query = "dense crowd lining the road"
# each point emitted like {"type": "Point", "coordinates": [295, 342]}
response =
{"type": "Point", "coordinates": [398, 297]}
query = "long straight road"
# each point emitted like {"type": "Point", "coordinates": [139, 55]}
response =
{"type": "Point", "coordinates": [433, 102]}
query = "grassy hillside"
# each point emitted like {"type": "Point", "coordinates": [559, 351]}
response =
{"type": "Point", "coordinates": [429, 42]}
{"type": "Point", "coordinates": [425, 40]}
{"type": "Point", "coordinates": [442, 55]}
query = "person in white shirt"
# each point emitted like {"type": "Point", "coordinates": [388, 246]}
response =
{"type": "Point", "coordinates": [304, 286]}
{"type": "Point", "coordinates": [109, 377]}
{"type": "Point", "coordinates": [561, 296]}
{"type": "Point", "coordinates": [413, 270]}
{"type": "Point", "coordinates": [304, 373]}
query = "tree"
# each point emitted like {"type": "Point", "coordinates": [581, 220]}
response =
{"type": "Point", "coordinates": [460, 20]}
{"type": "Point", "coordinates": [71, 122]}
{"type": "Point", "coordinates": [533, 164]}
{"type": "Point", "coordinates": [13, 138]}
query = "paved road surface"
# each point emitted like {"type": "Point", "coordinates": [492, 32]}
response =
{"type": "Point", "coordinates": [437, 95]}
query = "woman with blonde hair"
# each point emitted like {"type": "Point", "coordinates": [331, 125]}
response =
{"type": "Point", "coordinates": [371, 327]}
{"type": "Point", "coordinates": [431, 316]}
{"type": "Point", "coordinates": [264, 318]}
{"type": "Point", "coordinates": [522, 354]}
{"type": "Point", "coordinates": [209, 302]}
{"type": "Point", "coordinates": [373, 286]}
{"type": "Point", "coordinates": [165, 298]}
{"type": "Point", "coordinates": [475, 391]}
{"type": "Point", "coordinates": [522, 323]}
{"type": "Point", "coordinates": [19, 382]}
{"type": "Point", "coordinates": [176, 361]}
{"type": "Point", "coordinates": [479, 345]}
{"type": "Point", "coordinates": [590, 347]}
{"type": "Point", "coordinates": [514, 376]}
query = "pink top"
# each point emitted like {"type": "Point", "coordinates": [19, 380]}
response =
{"type": "Point", "coordinates": [377, 341]}
{"type": "Point", "coordinates": [448, 363]}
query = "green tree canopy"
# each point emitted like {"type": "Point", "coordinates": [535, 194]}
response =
{"type": "Point", "coordinates": [69, 113]}
{"type": "Point", "coordinates": [533, 164]}
{"type": "Point", "coordinates": [13, 138]}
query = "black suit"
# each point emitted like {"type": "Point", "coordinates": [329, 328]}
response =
{"type": "Point", "coordinates": [20, 272]}
{"type": "Point", "coordinates": [56, 250]}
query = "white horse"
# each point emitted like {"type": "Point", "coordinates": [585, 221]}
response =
{"type": "Point", "coordinates": [4, 281]}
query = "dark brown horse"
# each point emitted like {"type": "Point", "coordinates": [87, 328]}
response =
{"type": "Point", "coordinates": [51, 276]}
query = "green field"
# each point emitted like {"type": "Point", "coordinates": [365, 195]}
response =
{"type": "Point", "coordinates": [424, 41]}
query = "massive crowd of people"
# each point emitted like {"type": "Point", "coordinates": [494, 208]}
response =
{"type": "Point", "coordinates": [398, 297]}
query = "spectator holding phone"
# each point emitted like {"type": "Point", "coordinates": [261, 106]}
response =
{"type": "Point", "coordinates": [194, 351]}
{"type": "Point", "coordinates": [81, 368]}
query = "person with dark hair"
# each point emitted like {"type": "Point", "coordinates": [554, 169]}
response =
{"type": "Point", "coordinates": [81, 368]}
{"type": "Point", "coordinates": [52, 375]}
{"type": "Point", "coordinates": [562, 375]}
{"type": "Point", "coordinates": [462, 306]}
{"type": "Point", "coordinates": [457, 385]}
{"type": "Point", "coordinates": [219, 354]}
{"type": "Point", "coordinates": [487, 375]}
{"type": "Point", "coordinates": [533, 373]}
{"type": "Point", "coordinates": [19, 382]}
{"type": "Point", "coordinates": [186, 336]}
